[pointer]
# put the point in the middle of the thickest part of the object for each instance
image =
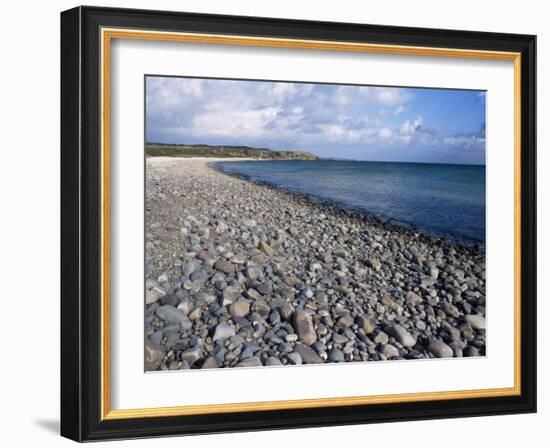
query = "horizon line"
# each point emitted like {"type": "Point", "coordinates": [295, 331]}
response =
{"type": "Point", "coordinates": [321, 157]}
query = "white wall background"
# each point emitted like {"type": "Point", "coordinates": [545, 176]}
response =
{"type": "Point", "coordinates": [29, 189]}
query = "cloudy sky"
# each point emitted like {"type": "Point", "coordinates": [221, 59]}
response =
{"type": "Point", "coordinates": [351, 122]}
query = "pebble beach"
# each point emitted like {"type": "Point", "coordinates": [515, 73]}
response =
{"type": "Point", "coordinates": [240, 274]}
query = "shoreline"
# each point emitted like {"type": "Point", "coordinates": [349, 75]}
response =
{"type": "Point", "coordinates": [370, 218]}
{"type": "Point", "coordinates": [241, 274]}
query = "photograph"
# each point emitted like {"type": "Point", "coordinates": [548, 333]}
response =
{"type": "Point", "coordinates": [292, 223]}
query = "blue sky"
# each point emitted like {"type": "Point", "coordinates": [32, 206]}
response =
{"type": "Point", "coordinates": [340, 121]}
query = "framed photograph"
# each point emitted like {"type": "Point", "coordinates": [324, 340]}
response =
{"type": "Point", "coordinates": [276, 224]}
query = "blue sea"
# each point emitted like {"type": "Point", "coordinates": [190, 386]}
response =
{"type": "Point", "coordinates": [436, 199]}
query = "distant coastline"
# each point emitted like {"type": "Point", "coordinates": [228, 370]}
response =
{"type": "Point", "coordinates": [223, 151]}
{"type": "Point", "coordinates": [185, 150]}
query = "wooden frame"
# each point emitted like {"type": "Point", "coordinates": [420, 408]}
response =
{"type": "Point", "coordinates": [86, 35]}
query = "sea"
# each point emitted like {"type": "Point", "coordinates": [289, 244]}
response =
{"type": "Point", "coordinates": [436, 199]}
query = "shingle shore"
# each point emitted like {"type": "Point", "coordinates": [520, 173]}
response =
{"type": "Point", "coordinates": [240, 274]}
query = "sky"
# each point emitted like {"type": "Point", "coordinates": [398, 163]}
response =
{"type": "Point", "coordinates": [330, 120]}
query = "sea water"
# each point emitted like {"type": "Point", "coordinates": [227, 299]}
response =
{"type": "Point", "coordinates": [436, 199]}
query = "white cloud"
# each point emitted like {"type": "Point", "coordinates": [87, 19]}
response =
{"type": "Point", "coordinates": [399, 110]}
{"type": "Point", "coordinates": [289, 116]}
{"type": "Point", "coordinates": [282, 91]}
{"type": "Point", "coordinates": [385, 133]}
{"type": "Point", "coordinates": [391, 96]}
{"type": "Point", "coordinates": [466, 143]}
{"type": "Point", "coordinates": [168, 91]}
{"type": "Point", "coordinates": [235, 121]}
{"type": "Point", "coordinates": [409, 128]}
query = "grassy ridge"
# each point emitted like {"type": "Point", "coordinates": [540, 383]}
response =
{"type": "Point", "coordinates": [167, 150]}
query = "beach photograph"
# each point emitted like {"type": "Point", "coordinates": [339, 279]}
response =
{"type": "Point", "coordinates": [295, 223]}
